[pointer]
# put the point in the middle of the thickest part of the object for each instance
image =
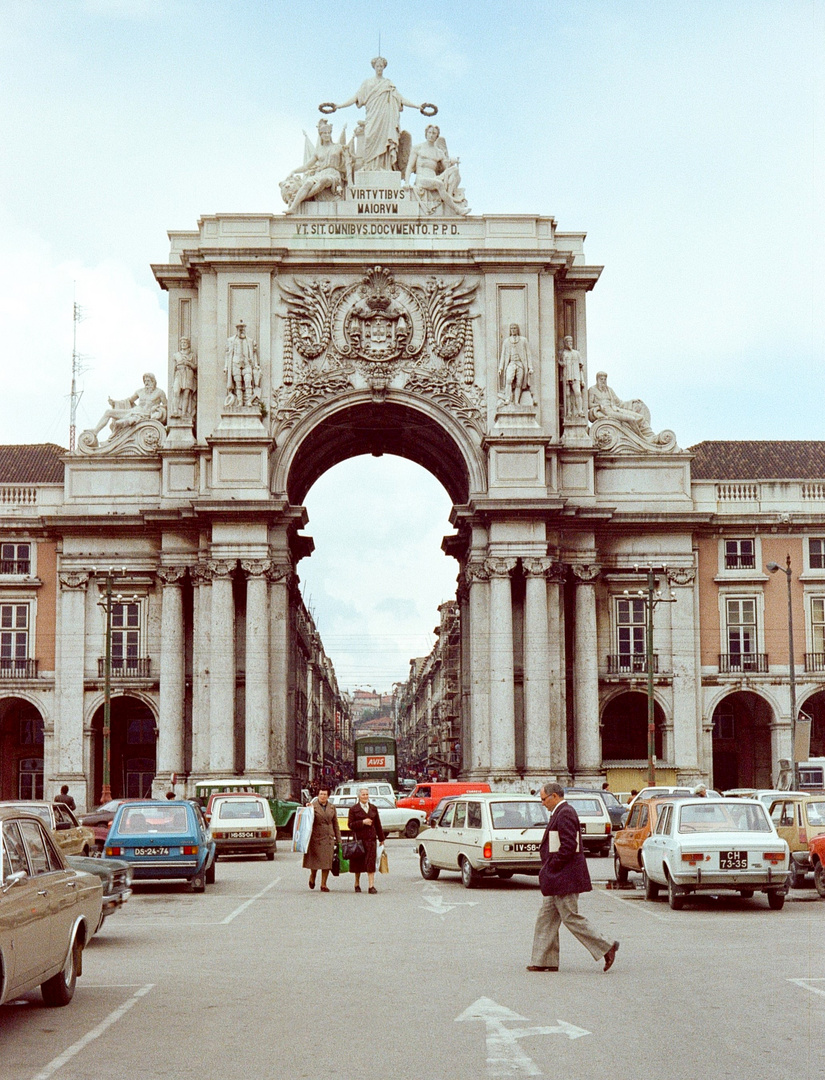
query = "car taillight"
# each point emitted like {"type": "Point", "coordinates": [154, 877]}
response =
{"type": "Point", "coordinates": [217, 836]}
{"type": "Point", "coordinates": [774, 856]}
{"type": "Point", "coordinates": [189, 850]}
{"type": "Point", "coordinates": [266, 832]}
{"type": "Point", "coordinates": [607, 829]}
{"type": "Point", "coordinates": [114, 851]}
{"type": "Point", "coordinates": [488, 850]}
{"type": "Point", "coordinates": [692, 857]}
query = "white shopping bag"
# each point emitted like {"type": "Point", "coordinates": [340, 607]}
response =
{"type": "Point", "coordinates": [302, 828]}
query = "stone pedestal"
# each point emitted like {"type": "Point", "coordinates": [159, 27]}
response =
{"type": "Point", "coordinates": [179, 435]}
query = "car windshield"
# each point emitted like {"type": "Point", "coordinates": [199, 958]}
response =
{"type": "Point", "coordinates": [240, 808]}
{"type": "Point", "coordinates": [816, 813]}
{"type": "Point", "coordinates": [586, 807]}
{"type": "Point", "coordinates": [154, 819]}
{"type": "Point", "coordinates": [724, 818]}
{"type": "Point", "coordinates": [518, 815]}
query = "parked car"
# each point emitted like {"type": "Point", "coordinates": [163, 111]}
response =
{"type": "Point", "coordinates": [283, 810]}
{"type": "Point", "coordinates": [48, 911]}
{"type": "Point", "coordinates": [798, 819]}
{"type": "Point", "coordinates": [710, 845]}
{"type": "Point", "coordinates": [394, 819]}
{"type": "Point", "coordinates": [656, 791]}
{"type": "Point", "coordinates": [627, 842]}
{"type": "Point", "coordinates": [242, 825]}
{"type": "Point", "coordinates": [617, 812]}
{"type": "Point", "coordinates": [766, 796]}
{"type": "Point", "coordinates": [71, 837]}
{"type": "Point", "coordinates": [816, 848]}
{"type": "Point", "coordinates": [596, 827]}
{"type": "Point", "coordinates": [163, 840]}
{"type": "Point", "coordinates": [100, 820]}
{"type": "Point", "coordinates": [116, 876]}
{"type": "Point", "coordinates": [427, 796]}
{"type": "Point", "coordinates": [484, 834]}
{"type": "Point", "coordinates": [350, 790]}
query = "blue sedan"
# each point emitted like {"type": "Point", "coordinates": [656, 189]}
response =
{"type": "Point", "coordinates": [164, 839]}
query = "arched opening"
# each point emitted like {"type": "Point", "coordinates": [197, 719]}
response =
{"type": "Point", "coordinates": [742, 742]}
{"type": "Point", "coordinates": [132, 749]}
{"type": "Point", "coordinates": [624, 728]}
{"type": "Point", "coordinates": [21, 750]}
{"type": "Point", "coordinates": [814, 706]}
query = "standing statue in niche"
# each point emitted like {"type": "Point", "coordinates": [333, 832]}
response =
{"type": "Point", "coordinates": [325, 170]}
{"type": "Point", "coordinates": [148, 403]}
{"type": "Point", "coordinates": [437, 176]}
{"type": "Point", "coordinates": [242, 370]}
{"type": "Point", "coordinates": [383, 104]}
{"type": "Point", "coordinates": [515, 367]}
{"type": "Point", "coordinates": [572, 365]}
{"type": "Point", "coordinates": [605, 404]}
{"type": "Point", "coordinates": [184, 382]}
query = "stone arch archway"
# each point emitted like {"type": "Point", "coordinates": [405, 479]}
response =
{"type": "Point", "coordinates": [21, 749]}
{"type": "Point", "coordinates": [133, 754]}
{"type": "Point", "coordinates": [814, 706]}
{"type": "Point", "coordinates": [402, 424]}
{"type": "Point", "coordinates": [742, 754]}
{"type": "Point", "coordinates": [624, 727]}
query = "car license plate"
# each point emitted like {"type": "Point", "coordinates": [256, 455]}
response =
{"type": "Point", "coordinates": [525, 847]}
{"type": "Point", "coordinates": [733, 860]}
{"type": "Point", "coordinates": [151, 851]}
{"type": "Point", "coordinates": [239, 835]}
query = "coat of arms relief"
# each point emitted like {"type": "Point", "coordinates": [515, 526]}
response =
{"type": "Point", "coordinates": [378, 333]}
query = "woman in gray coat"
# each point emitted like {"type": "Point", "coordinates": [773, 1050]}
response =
{"type": "Point", "coordinates": [322, 843]}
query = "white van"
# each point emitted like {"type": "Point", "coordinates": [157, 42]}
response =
{"type": "Point", "coordinates": [376, 788]}
{"type": "Point", "coordinates": [811, 774]}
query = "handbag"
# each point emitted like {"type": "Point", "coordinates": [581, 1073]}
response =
{"type": "Point", "coordinates": [336, 865]}
{"type": "Point", "coordinates": [352, 849]}
{"type": "Point", "coordinates": [383, 864]}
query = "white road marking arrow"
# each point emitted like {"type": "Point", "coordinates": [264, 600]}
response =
{"type": "Point", "coordinates": [504, 1055]}
{"type": "Point", "coordinates": [434, 901]}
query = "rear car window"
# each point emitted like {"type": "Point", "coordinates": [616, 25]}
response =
{"type": "Point", "coordinates": [816, 813]}
{"type": "Point", "coordinates": [517, 815]}
{"type": "Point", "coordinates": [154, 819]}
{"type": "Point", "coordinates": [587, 807]}
{"type": "Point", "coordinates": [38, 849]}
{"type": "Point", "coordinates": [240, 808]}
{"type": "Point", "coordinates": [749, 817]}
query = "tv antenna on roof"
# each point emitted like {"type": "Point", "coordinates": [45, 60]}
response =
{"type": "Point", "coordinates": [78, 315]}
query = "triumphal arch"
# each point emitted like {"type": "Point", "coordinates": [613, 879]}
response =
{"type": "Point", "coordinates": [376, 313]}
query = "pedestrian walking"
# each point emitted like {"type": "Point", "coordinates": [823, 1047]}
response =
{"type": "Point", "coordinates": [563, 876]}
{"type": "Point", "coordinates": [365, 825]}
{"type": "Point", "coordinates": [65, 798]}
{"type": "Point", "coordinates": [324, 841]}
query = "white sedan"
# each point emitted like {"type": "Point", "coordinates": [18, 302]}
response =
{"type": "Point", "coordinates": [394, 819]}
{"type": "Point", "coordinates": [707, 845]}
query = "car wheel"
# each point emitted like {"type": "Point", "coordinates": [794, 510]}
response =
{"type": "Point", "coordinates": [675, 896]}
{"type": "Point", "coordinates": [469, 877]}
{"type": "Point", "coordinates": [198, 882]}
{"type": "Point", "coordinates": [746, 894]}
{"type": "Point", "coordinates": [776, 899]}
{"type": "Point", "coordinates": [796, 879]}
{"type": "Point", "coordinates": [270, 856]}
{"type": "Point", "coordinates": [412, 829]}
{"type": "Point", "coordinates": [210, 874]}
{"type": "Point", "coordinates": [59, 989]}
{"type": "Point", "coordinates": [819, 879]}
{"type": "Point", "coordinates": [505, 875]}
{"type": "Point", "coordinates": [650, 886]}
{"type": "Point", "coordinates": [620, 871]}
{"type": "Point", "coordinates": [428, 871]}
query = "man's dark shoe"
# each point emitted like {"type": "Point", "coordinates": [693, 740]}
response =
{"type": "Point", "coordinates": [610, 956]}
{"type": "Point", "coordinates": [537, 967]}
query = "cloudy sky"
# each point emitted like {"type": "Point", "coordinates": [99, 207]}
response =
{"type": "Point", "coordinates": [685, 138]}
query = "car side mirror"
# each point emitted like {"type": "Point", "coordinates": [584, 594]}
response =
{"type": "Point", "coordinates": [62, 826]}
{"type": "Point", "coordinates": [14, 879]}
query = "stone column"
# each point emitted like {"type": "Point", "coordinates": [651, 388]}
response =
{"type": "Point", "coordinates": [257, 666]}
{"type": "Point", "coordinates": [586, 675]}
{"type": "Point", "coordinates": [201, 659]}
{"type": "Point", "coordinates": [537, 719]}
{"type": "Point", "coordinates": [558, 689]}
{"type": "Point", "coordinates": [476, 753]}
{"type": "Point", "coordinates": [71, 662]}
{"type": "Point", "coordinates": [686, 677]}
{"type": "Point", "coordinates": [222, 670]}
{"type": "Point", "coordinates": [502, 682]}
{"type": "Point", "coordinates": [172, 674]}
{"type": "Point", "coordinates": [280, 577]}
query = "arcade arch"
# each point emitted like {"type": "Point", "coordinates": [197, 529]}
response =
{"type": "Point", "coordinates": [21, 749]}
{"type": "Point", "coordinates": [624, 727]}
{"type": "Point", "coordinates": [742, 741]}
{"type": "Point", "coordinates": [133, 740]}
{"type": "Point", "coordinates": [814, 706]}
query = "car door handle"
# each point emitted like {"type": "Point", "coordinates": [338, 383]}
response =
{"type": "Point", "coordinates": [42, 892]}
{"type": "Point", "coordinates": [71, 884]}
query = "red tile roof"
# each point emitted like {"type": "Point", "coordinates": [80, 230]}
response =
{"type": "Point", "coordinates": [31, 463]}
{"type": "Point", "coordinates": [749, 459]}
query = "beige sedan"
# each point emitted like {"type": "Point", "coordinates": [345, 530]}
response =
{"type": "Point", "coordinates": [47, 912]}
{"type": "Point", "coordinates": [72, 837]}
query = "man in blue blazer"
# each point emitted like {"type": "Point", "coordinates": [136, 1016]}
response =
{"type": "Point", "coordinates": [563, 876]}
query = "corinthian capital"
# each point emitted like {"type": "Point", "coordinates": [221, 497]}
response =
{"type": "Point", "coordinates": [536, 567]}
{"type": "Point", "coordinates": [476, 570]}
{"type": "Point", "coordinates": [74, 579]}
{"type": "Point", "coordinates": [220, 568]}
{"type": "Point", "coordinates": [585, 573]}
{"type": "Point", "coordinates": [280, 572]}
{"type": "Point", "coordinates": [500, 567]}
{"type": "Point", "coordinates": [256, 568]}
{"type": "Point", "coordinates": [171, 575]}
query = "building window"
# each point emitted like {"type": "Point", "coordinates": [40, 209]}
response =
{"type": "Point", "coordinates": [630, 627]}
{"type": "Point", "coordinates": [140, 731]}
{"type": "Point", "coordinates": [30, 778]}
{"type": "Point", "coordinates": [15, 558]}
{"type": "Point", "coordinates": [723, 723]}
{"type": "Point", "coordinates": [125, 637]}
{"type": "Point", "coordinates": [816, 554]}
{"type": "Point", "coordinates": [740, 554]}
{"type": "Point", "coordinates": [741, 633]}
{"type": "Point", "coordinates": [31, 731]}
{"type": "Point", "coordinates": [14, 638]}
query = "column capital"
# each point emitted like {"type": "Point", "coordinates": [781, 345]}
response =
{"type": "Point", "coordinates": [585, 573]}
{"type": "Point", "coordinates": [219, 569]}
{"type": "Point", "coordinates": [74, 579]}
{"type": "Point", "coordinates": [498, 567]}
{"type": "Point", "coordinates": [681, 575]}
{"type": "Point", "coordinates": [256, 568]}
{"type": "Point", "coordinates": [536, 567]}
{"type": "Point", "coordinates": [171, 575]}
{"type": "Point", "coordinates": [476, 570]}
{"type": "Point", "coordinates": [280, 572]}
{"type": "Point", "coordinates": [199, 573]}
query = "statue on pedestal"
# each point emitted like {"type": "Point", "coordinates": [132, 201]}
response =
{"type": "Point", "coordinates": [325, 170]}
{"type": "Point", "coordinates": [572, 365]}
{"type": "Point", "coordinates": [383, 105]}
{"type": "Point", "coordinates": [515, 367]}
{"type": "Point", "coordinates": [184, 383]}
{"type": "Point", "coordinates": [437, 176]}
{"type": "Point", "coordinates": [242, 370]}
{"type": "Point", "coordinates": [623, 425]}
{"type": "Point", "coordinates": [136, 423]}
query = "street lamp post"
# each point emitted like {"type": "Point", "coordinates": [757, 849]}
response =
{"type": "Point", "coordinates": [106, 605]}
{"type": "Point", "coordinates": [772, 567]}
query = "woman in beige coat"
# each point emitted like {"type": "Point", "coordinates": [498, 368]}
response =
{"type": "Point", "coordinates": [325, 836]}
